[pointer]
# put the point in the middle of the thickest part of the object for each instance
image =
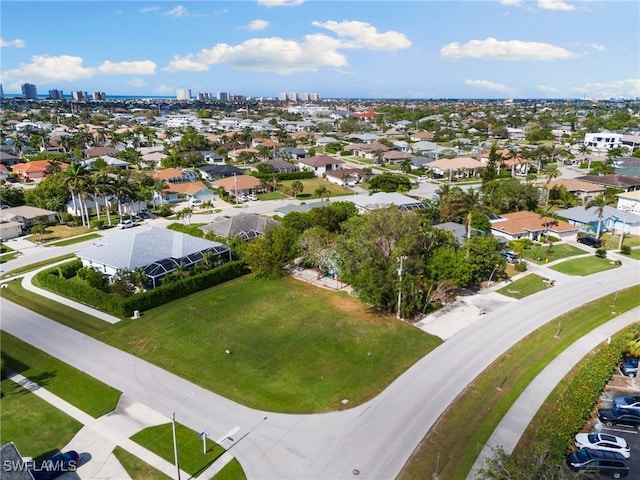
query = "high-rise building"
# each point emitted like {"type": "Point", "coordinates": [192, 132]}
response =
{"type": "Point", "coordinates": [79, 96]}
{"type": "Point", "coordinates": [202, 96]}
{"type": "Point", "coordinates": [224, 96]}
{"type": "Point", "coordinates": [29, 91]}
{"type": "Point", "coordinates": [183, 94]}
{"type": "Point", "coordinates": [1, 92]}
{"type": "Point", "coordinates": [99, 96]}
{"type": "Point", "coordinates": [56, 95]}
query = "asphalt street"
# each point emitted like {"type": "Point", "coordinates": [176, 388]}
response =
{"type": "Point", "coordinates": [373, 440]}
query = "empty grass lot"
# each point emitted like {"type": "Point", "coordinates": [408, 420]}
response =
{"type": "Point", "coordinates": [296, 348]}
{"type": "Point", "coordinates": [540, 253]}
{"type": "Point", "coordinates": [310, 186]}
{"type": "Point", "coordinates": [73, 240]}
{"type": "Point", "coordinates": [37, 428]}
{"type": "Point", "coordinates": [78, 388]}
{"type": "Point", "coordinates": [525, 286]}
{"type": "Point", "coordinates": [584, 266]}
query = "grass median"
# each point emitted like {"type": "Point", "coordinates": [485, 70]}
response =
{"type": "Point", "coordinates": [453, 444]}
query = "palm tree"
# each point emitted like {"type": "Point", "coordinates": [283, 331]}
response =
{"type": "Point", "coordinates": [103, 185]}
{"type": "Point", "coordinates": [123, 192]}
{"type": "Point", "coordinates": [599, 202]}
{"type": "Point", "coordinates": [321, 192]}
{"type": "Point", "coordinates": [185, 213]}
{"type": "Point", "coordinates": [296, 188]}
{"type": "Point", "coordinates": [76, 173]}
{"type": "Point", "coordinates": [550, 172]}
{"type": "Point", "coordinates": [139, 278]}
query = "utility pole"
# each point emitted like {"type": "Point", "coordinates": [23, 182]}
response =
{"type": "Point", "coordinates": [398, 315]}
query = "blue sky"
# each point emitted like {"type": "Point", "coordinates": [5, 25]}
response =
{"type": "Point", "coordinates": [341, 49]}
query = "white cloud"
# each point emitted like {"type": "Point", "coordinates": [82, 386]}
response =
{"type": "Point", "coordinates": [280, 3]}
{"type": "Point", "coordinates": [492, 49]}
{"type": "Point", "coordinates": [47, 69]}
{"type": "Point", "coordinates": [18, 43]}
{"type": "Point", "coordinates": [629, 88]}
{"type": "Point", "coordinates": [149, 9]}
{"type": "Point", "coordinates": [257, 25]}
{"type": "Point", "coordinates": [364, 35]}
{"type": "Point", "coordinates": [164, 90]}
{"type": "Point", "coordinates": [555, 5]}
{"type": "Point", "coordinates": [599, 48]}
{"type": "Point", "coordinates": [492, 87]}
{"type": "Point", "coordinates": [516, 3]}
{"type": "Point", "coordinates": [178, 11]}
{"type": "Point", "coordinates": [145, 67]}
{"type": "Point", "coordinates": [272, 54]}
{"type": "Point", "coordinates": [186, 63]}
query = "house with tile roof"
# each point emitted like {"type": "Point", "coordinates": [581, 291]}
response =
{"type": "Point", "coordinates": [34, 171]}
{"type": "Point", "coordinates": [320, 164]}
{"type": "Point", "coordinates": [346, 176]}
{"type": "Point", "coordinates": [239, 185]}
{"type": "Point", "coordinates": [531, 225]}
{"type": "Point", "coordinates": [158, 251]}
{"type": "Point", "coordinates": [181, 185]}
{"type": "Point", "coordinates": [584, 191]}
{"type": "Point", "coordinates": [459, 167]}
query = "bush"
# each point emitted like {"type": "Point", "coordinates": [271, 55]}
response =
{"type": "Point", "coordinates": [164, 211]}
{"type": "Point", "coordinates": [3, 368]}
{"type": "Point", "coordinates": [601, 253]}
{"type": "Point", "coordinates": [97, 223]}
{"type": "Point", "coordinates": [520, 266]}
{"type": "Point", "coordinates": [626, 250]}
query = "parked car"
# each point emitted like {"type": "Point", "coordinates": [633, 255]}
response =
{"type": "Point", "coordinates": [144, 214]}
{"type": "Point", "coordinates": [509, 256]}
{"type": "Point", "coordinates": [57, 465]}
{"type": "Point", "coordinates": [632, 402]}
{"type": "Point", "coordinates": [194, 202]}
{"type": "Point", "coordinates": [603, 441]}
{"type": "Point", "coordinates": [598, 461]}
{"type": "Point", "coordinates": [252, 197]}
{"type": "Point", "coordinates": [590, 242]}
{"type": "Point", "coordinates": [620, 417]}
{"type": "Point", "coordinates": [127, 223]}
{"type": "Point", "coordinates": [242, 198]}
{"type": "Point", "coordinates": [629, 366]}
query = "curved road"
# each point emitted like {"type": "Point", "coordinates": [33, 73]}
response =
{"type": "Point", "coordinates": [376, 438]}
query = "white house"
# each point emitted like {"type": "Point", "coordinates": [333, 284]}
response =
{"type": "Point", "coordinates": [603, 141]}
{"type": "Point", "coordinates": [320, 164]}
{"type": "Point", "coordinates": [629, 201]}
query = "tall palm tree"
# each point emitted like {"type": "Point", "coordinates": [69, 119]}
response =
{"type": "Point", "coordinates": [139, 278]}
{"type": "Point", "coordinates": [123, 192]}
{"type": "Point", "coordinates": [103, 186]}
{"type": "Point", "coordinates": [76, 174]}
{"type": "Point", "coordinates": [321, 192]}
{"type": "Point", "coordinates": [550, 171]}
{"type": "Point", "coordinates": [599, 202]}
{"type": "Point", "coordinates": [296, 188]}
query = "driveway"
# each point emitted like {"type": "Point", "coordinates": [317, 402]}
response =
{"type": "Point", "coordinates": [374, 439]}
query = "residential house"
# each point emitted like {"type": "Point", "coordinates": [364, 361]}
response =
{"type": "Point", "coordinates": [8, 159]}
{"type": "Point", "coordinates": [293, 152]}
{"type": "Point", "coordinates": [394, 156]}
{"type": "Point", "coordinates": [215, 172]}
{"type": "Point", "coordinates": [112, 162]}
{"type": "Point", "coordinates": [629, 201]}
{"type": "Point", "coordinates": [181, 185]}
{"type": "Point", "coordinates": [584, 191]}
{"type": "Point", "coordinates": [100, 151]}
{"type": "Point", "coordinates": [158, 251]}
{"type": "Point", "coordinates": [459, 231]}
{"type": "Point", "coordinates": [34, 171]}
{"type": "Point", "coordinates": [623, 182]}
{"type": "Point", "coordinates": [365, 202]}
{"type": "Point", "coordinates": [324, 141]}
{"type": "Point", "coordinates": [346, 176]}
{"type": "Point", "coordinates": [245, 226]}
{"type": "Point", "coordinates": [531, 225]}
{"type": "Point", "coordinates": [372, 150]}
{"type": "Point", "coordinates": [9, 229]}
{"type": "Point", "coordinates": [212, 158]}
{"type": "Point", "coordinates": [320, 164]}
{"type": "Point", "coordinates": [4, 172]}
{"type": "Point", "coordinates": [239, 185]}
{"type": "Point", "coordinates": [282, 166]}
{"type": "Point", "coordinates": [518, 165]}
{"type": "Point", "coordinates": [602, 141]}
{"type": "Point", "coordinates": [629, 166]}
{"type": "Point", "coordinates": [613, 219]}
{"type": "Point", "coordinates": [28, 216]}
{"type": "Point", "coordinates": [459, 167]}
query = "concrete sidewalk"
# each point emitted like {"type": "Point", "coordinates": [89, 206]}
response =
{"type": "Point", "coordinates": [97, 439]}
{"type": "Point", "coordinates": [514, 423]}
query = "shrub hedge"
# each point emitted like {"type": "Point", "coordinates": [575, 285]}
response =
{"type": "Point", "coordinates": [575, 406]}
{"type": "Point", "coordinates": [57, 280]}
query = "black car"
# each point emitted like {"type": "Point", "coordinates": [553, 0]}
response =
{"type": "Point", "coordinates": [619, 416]}
{"type": "Point", "coordinates": [629, 366]}
{"type": "Point", "coordinates": [590, 242]}
{"type": "Point", "coordinates": [605, 463]}
{"type": "Point", "coordinates": [57, 465]}
{"type": "Point", "coordinates": [144, 214]}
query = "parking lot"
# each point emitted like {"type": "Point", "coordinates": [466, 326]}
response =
{"type": "Point", "coordinates": [620, 386]}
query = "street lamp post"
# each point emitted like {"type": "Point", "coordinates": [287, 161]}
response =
{"type": "Point", "coordinates": [175, 438]}
{"type": "Point", "coordinates": [398, 315]}
{"type": "Point", "coordinates": [624, 223]}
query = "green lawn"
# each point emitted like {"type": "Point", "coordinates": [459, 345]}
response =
{"type": "Point", "coordinates": [231, 471]}
{"type": "Point", "coordinates": [76, 387]}
{"type": "Point", "coordinates": [457, 438]}
{"type": "Point", "coordinates": [136, 468]}
{"type": "Point", "coordinates": [272, 196]}
{"type": "Point", "coordinates": [305, 352]}
{"type": "Point", "coordinates": [37, 428]}
{"type": "Point", "coordinates": [635, 254]}
{"type": "Point", "coordinates": [584, 266]}
{"type": "Point", "coordinates": [71, 241]}
{"type": "Point", "coordinates": [611, 242]}
{"type": "Point", "coordinates": [542, 254]}
{"type": "Point", "coordinates": [310, 186]}
{"type": "Point", "coordinates": [159, 439]}
{"type": "Point", "coordinates": [527, 285]}
{"type": "Point", "coordinates": [34, 266]}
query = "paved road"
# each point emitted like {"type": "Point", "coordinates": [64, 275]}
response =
{"type": "Point", "coordinates": [376, 438]}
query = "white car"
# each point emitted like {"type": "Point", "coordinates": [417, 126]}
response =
{"type": "Point", "coordinates": [127, 223]}
{"type": "Point", "coordinates": [252, 197]}
{"type": "Point", "coordinates": [194, 202]}
{"type": "Point", "coordinates": [603, 441]}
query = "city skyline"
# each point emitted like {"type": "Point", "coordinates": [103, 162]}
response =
{"type": "Point", "coordinates": [348, 49]}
